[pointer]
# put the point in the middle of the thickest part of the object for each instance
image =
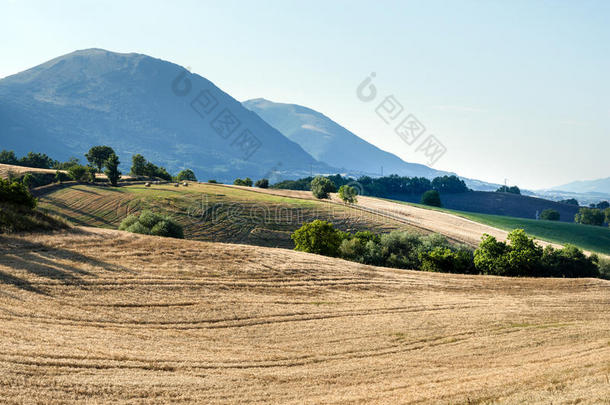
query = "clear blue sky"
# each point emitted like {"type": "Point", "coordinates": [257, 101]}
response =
{"type": "Point", "coordinates": [514, 89]}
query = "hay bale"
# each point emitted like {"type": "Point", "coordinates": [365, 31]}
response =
{"type": "Point", "coordinates": [147, 184]}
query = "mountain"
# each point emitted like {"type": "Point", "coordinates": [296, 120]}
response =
{"type": "Point", "coordinates": [139, 104]}
{"type": "Point", "coordinates": [329, 142]}
{"type": "Point", "coordinates": [587, 186]}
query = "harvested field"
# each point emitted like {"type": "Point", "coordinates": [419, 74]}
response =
{"type": "Point", "coordinates": [210, 212]}
{"type": "Point", "coordinates": [95, 315]}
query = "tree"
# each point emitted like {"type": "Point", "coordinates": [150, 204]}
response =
{"type": "Point", "coordinates": [98, 155]}
{"type": "Point", "coordinates": [590, 216]}
{"type": "Point", "coordinates": [112, 169]}
{"type": "Point", "coordinates": [432, 198]}
{"type": "Point", "coordinates": [348, 194]}
{"type": "Point", "coordinates": [321, 187]}
{"type": "Point", "coordinates": [607, 214]}
{"type": "Point", "coordinates": [138, 165]}
{"type": "Point", "coordinates": [317, 237]}
{"type": "Point", "coordinates": [570, 201]}
{"type": "Point", "coordinates": [506, 189]}
{"type": "Point", "coordinates": [247, 182]}
{"type": "Point", "coordinates": [186, 174]}
{"type": "Point", "coordinates": [602, 205]}
{"type": "Point", "coordinates": [8, 157]}
{"type": "Point", "coordinates": [550, 215]}
{"type": "Point", "coordinates": [262, 183]}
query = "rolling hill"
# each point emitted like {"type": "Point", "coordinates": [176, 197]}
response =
{"type": "Point", "coordinates": [102, 316]}
{"type": "Point", "coordinates": [209, 212]}
{"type": "Point", "coordinates": [139, 104]}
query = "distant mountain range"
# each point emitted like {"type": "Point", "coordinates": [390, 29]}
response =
{"type": "Point", "coordinates": [329, 142]}
{"type": "Point", "coordinates": [138, 104]}
{"type": "Point", "coordinates": [587, 186]}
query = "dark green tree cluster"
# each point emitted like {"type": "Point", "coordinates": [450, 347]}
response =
{"type": "Point", "coordinates": [142, 167]}
{"type": "Point", "coordinates": [243, 182]}
{"type": "Point", "coordinates": [432, 198]}
{"type": "Point", "coordinates": [511, 190]}
{"type": "Point", "coordinates": [262, 183]}
{"type": "Point", "coordinates": [16, 193]}
{"type": "Point", "coordinates": [590, 216]}
{"type": "Point", "coordinates": [550, 215]}
{"type": "Point", "coordinates": [570, 201]}
{"type": "Point", "coordinates": [321, 187]}
{"type": "Point", "coordinates": [602, 205]}
{"type": "Point", "coordinates": [150, 223]}
{"type": "Point", "coordinates": [524, 257]}
{"type": "Point", "coordinates": [521, 256]}
{"type": "Point", "coordinates": [385, 186]}
{"type": "Point", "coordinates": [32, 159]}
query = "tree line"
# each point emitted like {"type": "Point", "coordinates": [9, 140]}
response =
{"type": "Point", "coordinates": [519, 256]}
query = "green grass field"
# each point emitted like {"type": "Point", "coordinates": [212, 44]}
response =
{"type": "Point", "coordinates": [588, 237]}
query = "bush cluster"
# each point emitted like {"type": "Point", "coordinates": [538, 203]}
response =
{"type": "Point", "coordinates": [150, 223]}
{"type": "Point", "coordinates": [521, 256]}
{"type": "Point", "coordinates": [16, 193]}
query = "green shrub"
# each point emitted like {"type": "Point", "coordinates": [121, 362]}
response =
{"type": "Point", "coordinates": [212, 181]}
{"type": "Point", "coordinates": [138, 228]}
{"type": "Point", "coordinates": [432, 198]}
{"type": "Point", "coordinates": [348, 194]}
{"type": "Point", "coordinates": [13, 192]}
{"type": "Point", "coordinates": [167, 228]}
{"type": "Point", "coordinates": [321, 187]}
{"type": "Point", "coordinates": [82, 174]}
{"type": "Point", "coordinates": [150, 223]}
{"type": "Point", "coordinates": [569, 261]}
{"type": "Point", "coordinates": [317, 237]}
{"type": "Point", "coordinates": [550, 215]}
{"type": "Point", "coordinates": [445, 260]}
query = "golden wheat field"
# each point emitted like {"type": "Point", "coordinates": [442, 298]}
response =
{"type": "Point", "coordinates": [101, 316]}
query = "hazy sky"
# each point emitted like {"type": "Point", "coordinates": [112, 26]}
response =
{"type": "Point", "coordinates": [515, 90]}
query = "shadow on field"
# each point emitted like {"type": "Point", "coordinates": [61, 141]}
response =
{"type": "Point", "coordinates": [45, 261]}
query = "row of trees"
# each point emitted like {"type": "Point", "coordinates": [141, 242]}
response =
{"type": "Point", "coordinates": [511, 190]}
{"type": "Point", "coordinates": [520, 256]}
{"type": "Point", "coordinates": [385, 186]}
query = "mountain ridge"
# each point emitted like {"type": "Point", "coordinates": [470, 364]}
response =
{"type": "Point", "coordinates": [133, 103]}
